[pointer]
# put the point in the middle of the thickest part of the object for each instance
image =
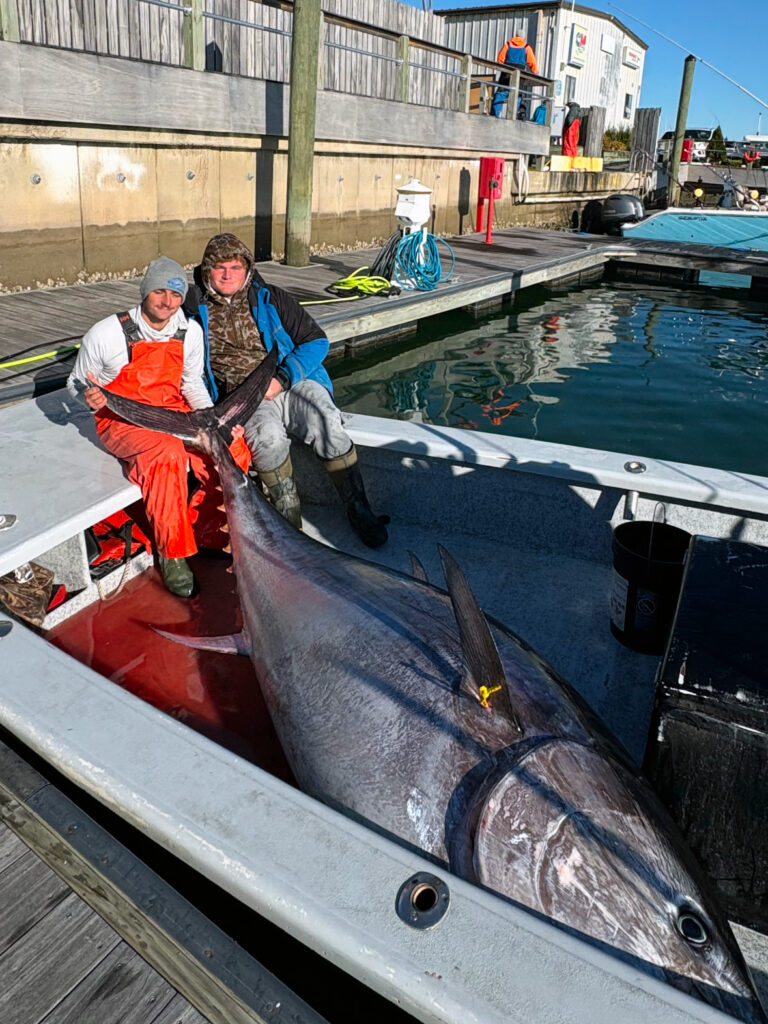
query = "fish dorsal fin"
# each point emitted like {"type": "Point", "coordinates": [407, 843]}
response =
{"type": "Point", "coordinates": [481, 656]}
{"type": "Point", "coordinates": [417, 569]}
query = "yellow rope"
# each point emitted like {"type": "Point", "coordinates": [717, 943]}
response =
{"type": "Point", "coordinates": [43, 355]}
{"type": "Point", "coordinates": [362, 283]}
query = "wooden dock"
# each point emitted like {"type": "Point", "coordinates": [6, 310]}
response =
{"type": "Point", "coordinates": [90, 935]}
{"type": "Point", "coordinates": [50, 322]}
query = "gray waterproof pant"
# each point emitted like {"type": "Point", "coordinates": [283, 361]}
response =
{"type": "Point", "coordinates": [306, 412]}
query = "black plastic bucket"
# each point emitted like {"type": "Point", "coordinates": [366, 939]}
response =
{"type": "Point", "coordinates": [648, 560]}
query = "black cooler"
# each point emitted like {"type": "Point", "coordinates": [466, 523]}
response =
{"type": "Point", "coordinates": [707, 753]}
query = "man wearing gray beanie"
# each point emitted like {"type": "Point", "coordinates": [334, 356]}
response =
{"type": "Point", "coordinates": [152, 354]}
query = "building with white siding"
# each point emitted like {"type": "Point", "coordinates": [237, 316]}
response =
{"type": "Point", "coordinates": [593, 58]}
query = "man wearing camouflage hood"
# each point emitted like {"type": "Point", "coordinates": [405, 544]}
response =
{"type": "Point", "coordinates": [243, 318]}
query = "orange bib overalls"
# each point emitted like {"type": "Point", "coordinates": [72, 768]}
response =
{"type": "Point", "coordinates": [156, 462]}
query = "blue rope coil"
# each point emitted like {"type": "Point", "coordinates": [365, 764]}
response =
{"type": "Point", "coordinates": [417, 268]}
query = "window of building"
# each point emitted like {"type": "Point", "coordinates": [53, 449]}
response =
{"type": "Point", "coordinates": [570, 87]}
{"type": "Point", "coordinates": [628, 105]}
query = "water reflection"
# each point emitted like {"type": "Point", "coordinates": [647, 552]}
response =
{"type": "Point", "coordinates": [621, 367]}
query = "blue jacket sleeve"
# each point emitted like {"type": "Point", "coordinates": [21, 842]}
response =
{"type": "Point", "coordinates": [310, 344]}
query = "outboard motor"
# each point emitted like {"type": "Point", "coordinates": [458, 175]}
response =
{"type": "Point", "coordinates": [619, 209]}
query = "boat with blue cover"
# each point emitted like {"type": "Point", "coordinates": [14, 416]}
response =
{"type": "Point", "coordinates": [732, 229]}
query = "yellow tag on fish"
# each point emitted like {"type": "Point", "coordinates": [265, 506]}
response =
{"type": "Point", "coordinates": [485, 693]}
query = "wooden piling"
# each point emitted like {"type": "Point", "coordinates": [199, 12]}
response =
{"type": "Point", "coordinates": [9, 21]}
{"type": "Point", "coordinates": [404, 74]}
{"type": "Point", "coordinates": [673, 189]}
{"type": "Point", "coordinates": [305, 49]}
{"type": "Point", "coordinates": [193, 36]}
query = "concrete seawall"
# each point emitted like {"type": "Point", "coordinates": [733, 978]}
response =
{"type": "Point", "coordinates": [153, 159]}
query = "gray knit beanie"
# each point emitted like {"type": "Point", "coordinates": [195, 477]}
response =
{"type": "Point", "coordinates": [164, 273]}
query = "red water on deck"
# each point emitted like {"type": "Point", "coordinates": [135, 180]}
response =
{"type": "Point", "coordinates": [216, 694]}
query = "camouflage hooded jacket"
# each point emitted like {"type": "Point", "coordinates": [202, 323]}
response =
{"type": "Point", "coordinates": [238, 333]}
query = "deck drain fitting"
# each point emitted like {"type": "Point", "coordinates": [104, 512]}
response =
{"type": "Point", "coordinates": [7, 521]}
{"type": "Point", "coordinates": [422, 900]}
{"type": "Point", "coordinates": [635, 467]}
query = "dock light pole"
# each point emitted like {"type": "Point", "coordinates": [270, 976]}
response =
{"type": "Point", "coordinates": [305, 50]}
{"type": "Point", "coordinates": [673, 188]}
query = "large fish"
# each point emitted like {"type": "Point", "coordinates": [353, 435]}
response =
{"type": "Point", "coordinates": [404, 706]}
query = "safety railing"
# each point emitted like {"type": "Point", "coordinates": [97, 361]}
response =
{"type": "Point", "coordinates": [356, 57]}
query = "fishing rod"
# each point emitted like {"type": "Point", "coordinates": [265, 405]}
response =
{"type": "Point", "coordinates": [686, 49]}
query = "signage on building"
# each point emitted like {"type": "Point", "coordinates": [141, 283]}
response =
{"type": "Point", "coordinates": [632, 58]}
{"type": "Point", "coordinates": [577, 54]}
{"type": "Point", "coordinates": [607, 43]}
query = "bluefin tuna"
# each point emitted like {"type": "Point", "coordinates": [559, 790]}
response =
{"type": "Point", "coordinates": [404, 706]}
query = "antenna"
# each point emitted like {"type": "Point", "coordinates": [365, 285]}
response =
{"type": "Point", "coordinates": [685, 49]}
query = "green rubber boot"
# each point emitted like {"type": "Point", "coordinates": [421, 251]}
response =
{"type": "Point", "coordinates": [177, 576]}
{"type": "Point", "coordinates": [282, 492]}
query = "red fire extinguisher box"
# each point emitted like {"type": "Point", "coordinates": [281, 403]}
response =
{"type": "Point", "coordinates": [685, 156]}
{"type": "Point", "coordinates": [491, 169]}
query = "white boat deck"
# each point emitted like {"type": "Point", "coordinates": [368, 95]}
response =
{"type": "Point", "coordinates": [534, 541]}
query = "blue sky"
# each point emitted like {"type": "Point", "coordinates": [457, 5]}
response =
{"type": "Point", "coordinates": [731, 36]}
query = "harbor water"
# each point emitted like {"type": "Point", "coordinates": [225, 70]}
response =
{"type": "Point", "coordinates": [646, 370]}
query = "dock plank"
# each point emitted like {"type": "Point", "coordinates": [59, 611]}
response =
{"type": "Point", "coordinates": [42, 320]}
{"type": "Point", "coordinates": [178, 1011]}
{"type": "Point", "coordinates": [121, 989]}
{"type": "Point", "coordinates": [11, 848]}
{"type": "Point", "coordinates": [51, 958]}
{"type": "Point", "coordinates": [29, 890]}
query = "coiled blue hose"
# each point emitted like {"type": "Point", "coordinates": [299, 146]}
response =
{"type": "Point", "coordinates": [417, 269]}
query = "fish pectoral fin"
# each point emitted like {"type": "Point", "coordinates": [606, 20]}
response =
{"type": "Point", "coordinates": [417, 569]}
{"type": "Point", "coordinates": [235, 643]}
{"type": "Point", "coordinates": [485, 679]}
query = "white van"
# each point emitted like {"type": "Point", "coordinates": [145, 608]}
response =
{"type": "Point", "coordinates": [700, 137]}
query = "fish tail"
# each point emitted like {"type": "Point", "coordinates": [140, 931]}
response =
{"type": "Point", "coordinates": [196, 428]}
{"type": "Point", "coordinates": [238, 407]}
{"type": "Point", "coordinates": [189, 426]}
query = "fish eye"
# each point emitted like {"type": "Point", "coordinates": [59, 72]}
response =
{"type": "Point", "coordinates": [692, 929]}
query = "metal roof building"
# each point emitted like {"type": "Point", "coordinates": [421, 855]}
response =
{"type": "Point", "coordinates": [593, 57]}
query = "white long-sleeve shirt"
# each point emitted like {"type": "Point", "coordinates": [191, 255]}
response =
{"type": "Point", "coordinates": [104, 353]}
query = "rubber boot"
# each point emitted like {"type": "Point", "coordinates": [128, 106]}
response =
{"type": "Point", "coordinates": [282, 492]}
{"type": "Point", "coordinates": [177, 576]}
{"type": "Point", "coordinates": [348, 481]}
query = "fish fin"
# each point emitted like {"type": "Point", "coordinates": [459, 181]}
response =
{"type": "Point", "coordinates": [417, 569]}
{"type": "Point", "coordinates": [480, 653]}
{"type": "Point", "coordinates": [235, 643]}
{"type": "Point", "coordinates": [240, 405]}
{"type": "Point", "coordinates": [186, 425]}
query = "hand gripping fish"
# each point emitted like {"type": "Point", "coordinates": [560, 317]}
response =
{"type": "Point", "coordinates": [402, 705]}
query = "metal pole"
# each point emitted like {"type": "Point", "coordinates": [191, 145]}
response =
{"type": "Point", "coordinates": [673, 188]}
{"type": "Point", "coordinates": [305, 48]}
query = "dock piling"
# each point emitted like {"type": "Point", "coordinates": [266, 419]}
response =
{"type": "Point", "coordinates": [305, 51]}
{"type": "Point", "coordinates": [682, 116]}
